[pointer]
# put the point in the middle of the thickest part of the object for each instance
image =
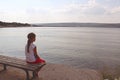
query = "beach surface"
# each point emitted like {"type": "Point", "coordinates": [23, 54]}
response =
{"type": "Point", "coordinates": [53, 72]}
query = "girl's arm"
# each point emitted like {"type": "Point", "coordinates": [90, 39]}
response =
{"type": "Point", "coordinates": [35, 53]}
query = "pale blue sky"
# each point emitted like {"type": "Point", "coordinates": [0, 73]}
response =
{"type": "Point", "coordinates": [44, 11]}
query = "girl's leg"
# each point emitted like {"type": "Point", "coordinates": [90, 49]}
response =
{"type": "Point", "coordinates": [38, 60]}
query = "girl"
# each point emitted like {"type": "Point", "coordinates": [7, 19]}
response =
{"type": "Point", "coordinates": [31, 50]}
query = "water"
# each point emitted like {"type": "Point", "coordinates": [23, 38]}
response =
{"type": "Point", "coordinates": [82, 47]}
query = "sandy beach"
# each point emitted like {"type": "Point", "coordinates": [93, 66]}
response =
{"type": "Point", "coordinates": [53, 72]}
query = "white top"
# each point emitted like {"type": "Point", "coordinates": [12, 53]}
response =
{"type": "Point", "coordinates": [30, 56]}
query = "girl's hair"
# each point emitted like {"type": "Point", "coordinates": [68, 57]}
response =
{"type": "Point", "coordinates": [30, 36]}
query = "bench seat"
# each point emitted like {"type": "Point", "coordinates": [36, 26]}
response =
{"type": "Point", "coordinates": [21, 64]}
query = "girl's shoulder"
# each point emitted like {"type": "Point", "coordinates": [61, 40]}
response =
{"type": "Point", "coordinates": [32, 45]}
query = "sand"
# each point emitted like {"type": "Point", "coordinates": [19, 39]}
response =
{"type": "Point", "coordinates": [53, 72]}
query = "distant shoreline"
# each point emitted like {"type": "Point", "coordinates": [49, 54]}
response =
{"type": "Point", "coordinates": [106, 25]}
{"type": "Point", "coordinates": [103, 25]}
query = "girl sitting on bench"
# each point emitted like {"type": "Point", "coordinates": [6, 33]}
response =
{"type": "Point", "coordinates": [32, 56]}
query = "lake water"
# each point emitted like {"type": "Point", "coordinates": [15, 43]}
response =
{"type": "Point", "coordinates": [82, 47]}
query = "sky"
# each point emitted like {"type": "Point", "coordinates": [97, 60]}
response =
{"type": "Point", "coordinates": [52, 11]}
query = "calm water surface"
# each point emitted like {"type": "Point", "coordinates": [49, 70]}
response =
{"type": "Point", "coordinates": [82, 47]}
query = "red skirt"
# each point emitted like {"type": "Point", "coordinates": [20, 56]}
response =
{"type": "Point", "coordinates": [38, 60]}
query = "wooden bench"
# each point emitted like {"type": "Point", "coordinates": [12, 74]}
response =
{"type": "Point", "coordinates": [21, 64]}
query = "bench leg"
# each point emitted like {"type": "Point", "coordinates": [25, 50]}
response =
{"type": "Point", "coordinates": [35, 74]}
{"type": "Point", "coordinates": [27, 75]}
{"type": "Point", "coordinates": [4, 66]}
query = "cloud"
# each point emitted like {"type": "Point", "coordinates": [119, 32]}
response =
{"type": "Point", "coordinates": [14, 16]}
{"type": "Point", "coordinates": [109, 3]}
{"type": "Point", "coordinates": [74, 12]}
{"type": "Point", "coordinates": [92, 3]}
{"type": "Point", "coordinates": [91, 10]}
{"type": "Point", "coordinates": [115, 10]}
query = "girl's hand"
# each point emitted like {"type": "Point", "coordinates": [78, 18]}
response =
{"type": "Point", "coordinates": [35, 53]}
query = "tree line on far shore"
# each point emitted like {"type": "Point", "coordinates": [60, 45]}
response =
{"type": "Point", "coordinates": [13, 24]}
